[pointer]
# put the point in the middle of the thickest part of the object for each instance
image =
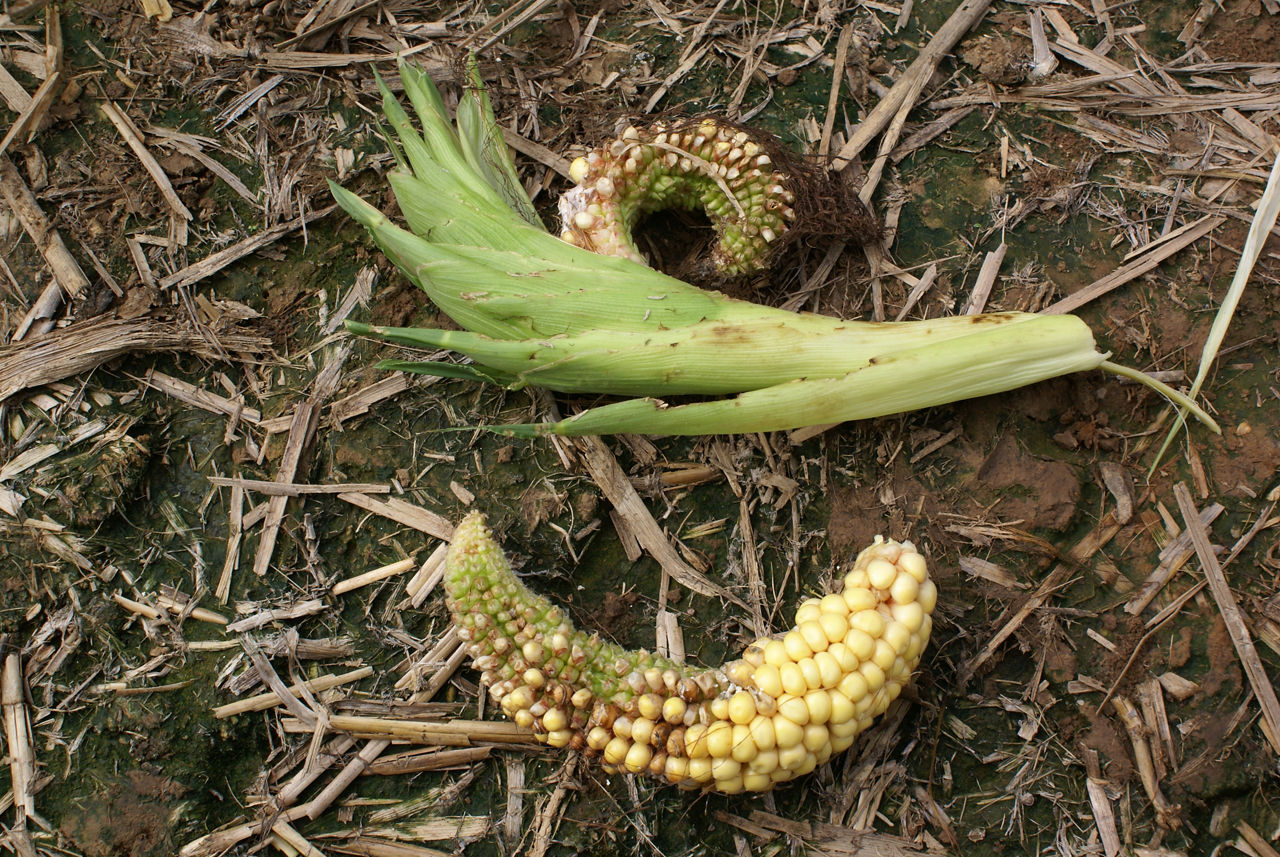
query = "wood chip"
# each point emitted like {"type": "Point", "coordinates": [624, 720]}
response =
{"type": "Point", "coordinates": [403, 512]}
{"type": "Point", "coordinates": [264, 701]}
{"type": "Point", "coordinates": [133, 137]}
{"type": "Point", "coordinates": [1232, 615]}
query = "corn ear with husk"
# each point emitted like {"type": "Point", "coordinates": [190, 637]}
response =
{"type": "Point", "coordinates": [539, 310]}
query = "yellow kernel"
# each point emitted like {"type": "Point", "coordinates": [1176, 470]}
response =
{"type": "Point", "coordinates": [884, 656]}
{"type": "Point", "coordinates": [819, 703]}
{"type": "Point", "coordinates": [673, 709]}
{"type": "Point", "coordinates": [869, 621]}
{"type": "Point", "coordinates": [862, 644]}
{"type": "Point", "coordinates": [676, 769]}
{"type": "Point", "coordinates": [841, 709]}
{"type": "Point", "coordinates": [719, 708]}
{"type": "Point", "coordinates": [881, 573]}
{"type": "Point", "coordinates": [856, 579]}
{"type": "Point", "coordinates": [622, 727]}
{"type": "Point", "coordinates": [844, 729]}
{"type": "Point", "coordinates": [858, 598]}
{"type": "Point", "coordinates": [744, 747]}
{"type": "Point", "coordinates": [754, 653]}
{"type": "Point", "coordinates": [797, 648]}
{"type": "Point", "coordinates": [638, 758]}
{"type": "Point", "coordinates": [829, 670]}
{"type": "Point", "coordinates": [815, 737]}
{"type": "Point", "coordinates": [812, 675]}
{"type": "Point", "coordinates": [534, 678]}
{"type": "Point", "coordinates": [757, 782]}
{"type": "Point", "coordinates": [834, 604]}
{"type": "Point", "coordinates": [533, 652]}
{"type": "Point", "coordinates": [911, 615]}
{"type": "Point", "coordinates": [928, 596]}
{"type": "Point", "coordinates": [695, 741]}
{"type": "Point", "coordinates": [765, 762]}
{"type": "Point", "coordinates": [776, 653]}
{"type": "Point", "coordinates": [559, 737]}
{"type": "Point", "coordinates": [700, 769]}
{"type": "Point", "coordinates": [792, 679]}
{"type": "Point", "coordinates": [762, 733]}
{"type": "Point", "coordinates": [616, 750]}
{"type": "Point", "coordinates": [641, 730]}
{"type": "Point", "coordinates": [517, 699]}
{"type": "Point", "coordinates": [914, 648]}
{"type": "Point", "coordinates": [793, 708]}
{"type": "Point", "coordinates": [739, 672]}
{"type": "Point", "coordinates": [792, 757]}
{"type": "Point", "coordinates": [742, 707]}
{"type": "Point", "coordinates": [808, 610]}
{"type": "Point", "coordinates": [719, 739]}
{"type": "Point", "coordinates": [725, 768]}
{"type": "Point", "coordinates": [840, 743]}
{"type": "Point", "coordinates": [874, 675]}
{"type": "Point", "coordinates": [786, 732]}
{"type": "Point", "coordinates": [834, 626]}
{"type": "Point", "coordinates": [598, 737]}
{"type": "Point", "coordinates": [843, 656]}
{"type": "Point", "coordinates": [898, 636]}
{"type": "Point", "coordinates": [854, 686]}
{"type": "Point", "coordinates": [769, 680]}
{"type": "Point", "coordinates": [649, 705]}
{"type": "Point", "coordinates": [730, 786]}
{"type": "Point", "coordinates": [905, 589]}
{"type": "Point", "coordinates": [523, 718]}
{"type": "Point", "coordinates": [914, 564]}
{"type": "Point", "coordinates": [815, 637]}
{"type": "Point", "coordinates": [554, 720]}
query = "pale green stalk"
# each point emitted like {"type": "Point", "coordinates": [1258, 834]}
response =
{"type": "Point", "coordinates": [1264, 220]}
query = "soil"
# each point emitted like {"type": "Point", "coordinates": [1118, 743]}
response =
{"type": "Point", "coordinates": [130, 816]}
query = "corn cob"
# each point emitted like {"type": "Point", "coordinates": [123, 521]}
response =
{"type": "Point", "coordinates": [789, 704]}
{"type": "Point", "coordinates": [707, 164]}
{"type": "Point", "coordinates": [540, 310]}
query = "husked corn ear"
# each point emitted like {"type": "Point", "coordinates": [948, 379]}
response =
{"type": "Point", "coordinates": [705, 164]}
{"type": "Point", "coordinates": [788, 705]}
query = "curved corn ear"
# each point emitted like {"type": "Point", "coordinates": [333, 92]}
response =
{"type": "Point", "coordinates": [991, 361]}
